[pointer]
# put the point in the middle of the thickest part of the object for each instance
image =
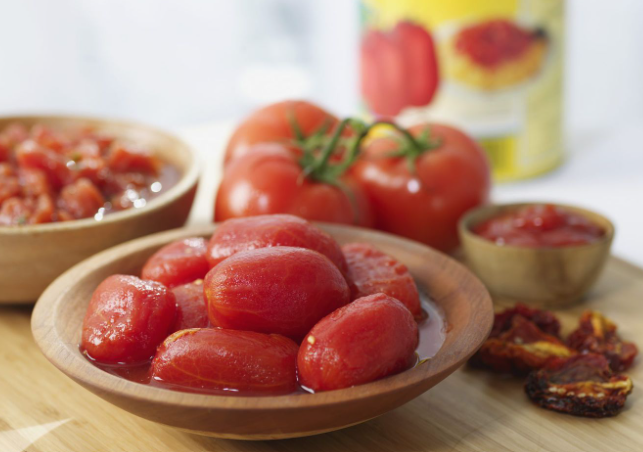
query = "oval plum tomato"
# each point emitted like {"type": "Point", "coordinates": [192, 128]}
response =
{"type": "Point", "coordinates": [219, 360]}
{"type": "Point", "coordinates": [191, 308]}
{"type": "Point", "coordinates": [271, 180]}
{"type": "Point", "coordinates": [422, 193]}
{"type": "Point", "coordinates": [265, 231]}
{"type": "Point", "coordinates": [127, 318]}
{"type": "Point", "coordinates": [274, 123]}
{"type": "Point", "coordinates": [372, 272]}
{"type": "Point", "coordinates": [178, 263]}
{"type": "Point", "coordinates": [281, 290]}
{"type": "Point", "coordinates": [371, 338]}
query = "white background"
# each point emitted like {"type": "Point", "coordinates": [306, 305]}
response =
{"type": "Point", "coordinates": [198, 65]}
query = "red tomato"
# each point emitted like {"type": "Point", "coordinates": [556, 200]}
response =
{"type": "Point", "coordinates": [30, 154]}
{"type": "Point", "coordinates": [16, 211]}
{"type": "Point", "coordinates": [265, 231]}
{"type": "Point", "coordinates": [270, 181]}
{"type": "Point", "coordinates": [9, 184]}
{"type": "Point", "coordinates": [281, 290]}
{"type": "Point", "coordinates": [372, 272]}
{"type": "Point", "coordinates": [273, 123]}
{"type": "Point", "coordinates": [178, 263]}
{"type": "Point", "coordinates": [81, 199]}
{"type": "Point", "coordinates": [34, 182]}
{"type": "Point", "coordinates": [227, 360]}
{"type": "Point", "coordinates": [398, 69]}
{"type": "Point", "coordinates": [123, 159]}
{"type": "Point", "coordinates": [426, 203]}
{"type": "Point", "coordinates": [191, 308]}
{"type": "Point", "coordinates": [127, 318]}
{"type": "Point", "coordinates": [371, 338]}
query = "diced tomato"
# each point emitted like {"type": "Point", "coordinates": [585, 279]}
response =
{"type": "Point", "coordinates": [48, 138]}
{"type": "Point", "coordinates": [44, 210]}
{"type": "Point", "coordinates": [123, 158]}
{"type": "Point", "coordinates": [16, 211]}
{"type": "Point", "coordinates": [30, 154]}
{"type": "Point", "coordinates": [34, 182]}
{"type": "Point", "coordinates": [9, 187]}
{"type": "Point", "coordinates": [81, 199]}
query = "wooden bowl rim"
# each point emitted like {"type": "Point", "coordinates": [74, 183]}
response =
{"type": "Point", "coordinates": [61, 354]}
{"type": "Point", "coordinates": [487, 211]}
{"type": "Point", "coordinates": [187, 180]}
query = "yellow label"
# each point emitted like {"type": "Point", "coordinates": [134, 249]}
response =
{"type": "Point", "coordinates": [511, 104]}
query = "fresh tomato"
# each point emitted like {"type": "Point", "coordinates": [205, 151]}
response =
{"type": "Point", "coordinates": [127, 318]}
{"type": "Point", "coordinates": [278, 123]}
{"type": "Point", "coordinates": [281, 290]}
{"type": "Point", "coordinates": [272, 180]}
{"type": "Point", "coordinates": [422, 193]}
{"type": "Point", "coordinates": [178, 263]}
{"type": "Point", "coordinates": [372, 272]}
{"type": "Point", "coordinates": [264, 231]}
{"type": "Point", "coordinates": [398, 68]}
{"type": "Point", "coordinates": [81, 199]}
{"type": "Point", "coordinates": [227, 360]}
{"type": "Point", "coordinates": [371, 338]}
{"type": "Point", "coordinates": [191, 308]}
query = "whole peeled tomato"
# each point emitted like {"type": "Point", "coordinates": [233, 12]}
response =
{"type": "Point", "coordinates": [227, 360]}
{"type": "Point", "coordinates": [280, 290]}
{"type": "Point", "coordinates": [274, 123]}
{"type": "Point", "coordinates": [372, 271]}
{"type": "Point", "coordinates": [371, 338]}
{"type": "Point", "coordinates": [191, 308]}
{"type": "Point", "coordinates": [423, 194]}
{"type": "Point", "coordinates": [127, 318]}
{"type": "Point", "coordinates": [272, 180]}
{"type": "Point", "coordinates": [178, 263]}
{"type": "Point", "coordinates": [263, 231]}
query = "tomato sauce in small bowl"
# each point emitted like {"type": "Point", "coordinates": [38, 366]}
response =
{"type": "Point", "coordinates": [541, 253]}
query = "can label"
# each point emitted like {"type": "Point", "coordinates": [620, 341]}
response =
{"type": "Point", "coordinates": [493, 68]}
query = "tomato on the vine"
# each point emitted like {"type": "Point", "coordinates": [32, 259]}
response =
{"type": "Point", "coordinates": [310, 183]}
{"type": "Point", "coordinates": [421, 181]}
{"type": "Point", "coordinates": [282, 122]}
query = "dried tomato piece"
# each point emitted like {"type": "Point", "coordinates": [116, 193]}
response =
{"type": "Point", "coordinates": [597, 334]}
{"type": "Point", "coordinates": [545, 320]}
{"type": "Point", "coordinates": [520, 349]}
{"type": "Point", "coordinates": [582, 385]}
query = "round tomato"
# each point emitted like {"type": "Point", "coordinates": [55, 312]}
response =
{"type": "Point", "coordinates": [276, 123]}
{"type": "Point", "coordinates": [272, 180]}
{"type": "Point", "coordinates": [370, 338]}
{"type": "Point", "coordinates": [281, 290]}
{"type": "Point", "coordinates": [422, 193]}
{"type": "Point", "coordinates": [178, 263]}
{"type": "Point", "coordinates": [127, 318]}
{"type": "Point", "coordinates": [227, 360]}
{"type": "Point", "coordinates": [263, 231]}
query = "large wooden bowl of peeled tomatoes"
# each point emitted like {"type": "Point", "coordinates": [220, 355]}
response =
{"type": "Point", "coordinates": [263, 327]}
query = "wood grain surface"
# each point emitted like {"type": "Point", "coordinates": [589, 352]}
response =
{"type": "Point", "coordinates": [469, 411]}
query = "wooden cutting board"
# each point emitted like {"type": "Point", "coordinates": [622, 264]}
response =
{"type": "Point", "coordinates": [41, 410]}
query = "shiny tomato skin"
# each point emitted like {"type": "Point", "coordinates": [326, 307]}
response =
{"type": "Point", "coordinates": [217, 359]}
{"type": "Point", "coordinates": [281, 290]}
{"type": "Point", "coordinates": [191, 308]}
{"type": "Point", "coordinates": [425, 205]}
{"type": "Point", "coordinates": [369, 339]}
{"type": "Point", "coordinates": [273, 124]}
{"type": "Point", "coordinates": [271, 181]}
{"type": "Point", "coordinates": [263, 231]}
{"type": "Point", "coordinates": [178, 263]}
{"type": "Point", "coordinates": [372, 271]}
{"type": "Point", "coordinates": [127, 318]}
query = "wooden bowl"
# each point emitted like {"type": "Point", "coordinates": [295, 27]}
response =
{"type": "Point", "coordinates": [58, 316]}
{"type": "Point", "coordinates": [549, 277]}
{"type": "Point", "coordinates": [31, 257]}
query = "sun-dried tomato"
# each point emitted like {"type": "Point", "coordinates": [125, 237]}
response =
{"type": "Point", "coordinates": [545, 320]}
{"type": "Point", "coordinates": [582, 385]}
{"type": "Point", "coordinates": [520, 349]}
{"type": "Point", "coordinates": [597, 334]}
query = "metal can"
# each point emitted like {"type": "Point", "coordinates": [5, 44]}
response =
{"type": "Point", "coordinates": [493, 68]}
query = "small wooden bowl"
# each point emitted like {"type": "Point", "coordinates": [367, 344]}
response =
{"type": "Point", "coordinates": [31, 257]}
{"type": "Point", "coordinates": [549, 277]}
{"type": "Point", "coordinates": [58, 317]}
